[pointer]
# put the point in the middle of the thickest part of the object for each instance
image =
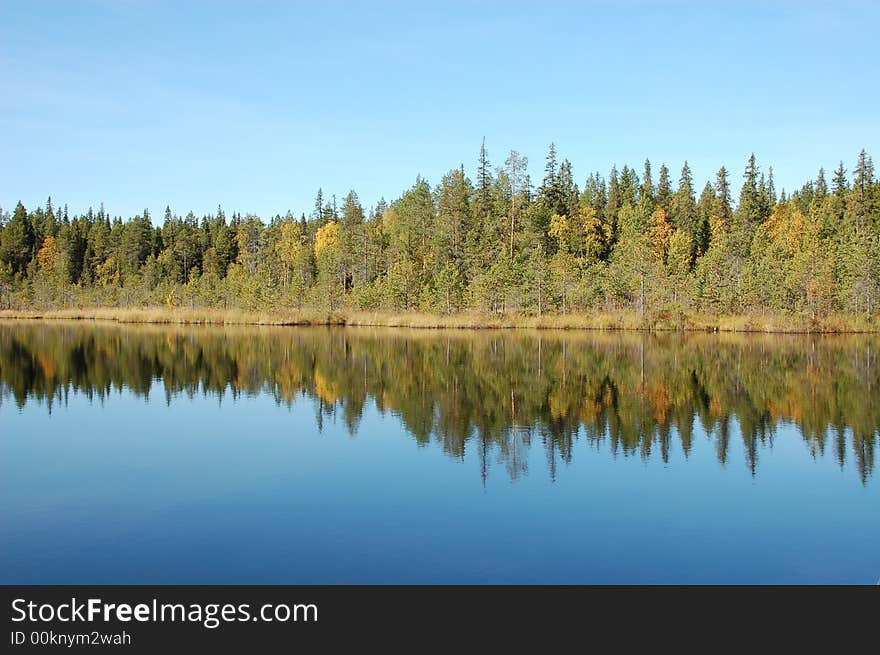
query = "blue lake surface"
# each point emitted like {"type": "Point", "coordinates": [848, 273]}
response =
{"type": "Point", "coordinates": [315, 455]}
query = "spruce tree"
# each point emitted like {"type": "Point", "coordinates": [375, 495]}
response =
{"type": "Point", "coordinates": [317, 215]}
{"type": "Point", "coordinates": [839, 184]}
{"type": "Point", "coordinates": [16, 247]}
{"type": "Point", "coordinates": [612, 206]}
{"type": "Point", "coordinates": [664, 189]}
{"type": "Point", "coordinates": [722, 209]}
{"type": "Point", "coordinates": [684, 207]}
{"type": "Point", "coordinates": [646, 191]}
{"type": "Point", "coordinates": [821, 186]}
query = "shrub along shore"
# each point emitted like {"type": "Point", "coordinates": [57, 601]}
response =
{"type": "Point", "coordinates": [623, 320]}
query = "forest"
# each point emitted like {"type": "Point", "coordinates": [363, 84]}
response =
{"type": "Point", "coordinates": [497, 243]}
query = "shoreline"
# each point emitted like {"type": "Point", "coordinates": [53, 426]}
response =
{"type": "Point", "coordinates": [603, 321]}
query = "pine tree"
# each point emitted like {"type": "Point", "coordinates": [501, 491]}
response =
{"type": "Point", "coordinates": [455, 222]}
{"type": "Point", "coordinates": [646, 192]}
{"type": "Point", "coordinates": [612, 207]}
{"type": "Point", "coordinates": [568, 190]}
{"type": "Point", "coordinates": [16, 247]}
{"type": "Point", "coordinates": [595, 198]}
{"type": "Point", "coordinates": [629, 185]}
{"type": "Point", "coordinates": [664, 189]}
{"type": "Point", "coordinates": [749, 211]}
{"type": "Point", "coordinates": [317, 215]}
{"type": "Point", "coordinates": [483, 198]}
{"type": "Point", "coordinates": [860, 199]}
{"type": "Point", "coordinates": [821, 186]}
{"type": "Point", "coordinates": [684, 208]}
{"type": "Point", "coordinates": [722, 208]}
{"type": "Point", "coordinates": [548, 188]}
{"type": "Point", "coordinates": [839, 184]}
{"type": "Point", "coordinates": [352, 236]}
{"type": "Point", "coordinates": [705, 210]}
{"type": "Point", "coordinates": [515, 167]}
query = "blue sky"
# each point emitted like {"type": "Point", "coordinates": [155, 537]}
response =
{"type": "Point", "coordinates": [255, 105]}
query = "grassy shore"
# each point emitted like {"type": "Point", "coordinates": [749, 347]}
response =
{"type": "Point", "coordinates": [623, 320]}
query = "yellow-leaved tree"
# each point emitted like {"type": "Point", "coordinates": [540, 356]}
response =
{"type": "Point", "coordinates": [47, 254]}
{"type": "Point", "coordinates": [328, 256]}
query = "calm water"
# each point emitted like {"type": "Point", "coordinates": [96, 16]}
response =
{"type": "Point", "coordinates": [313, 455]}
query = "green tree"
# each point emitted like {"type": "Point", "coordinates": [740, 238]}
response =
{"type": "Point", "coordinates": [16, 246]}
{"type": "Point", "coordinates": [683, 213]}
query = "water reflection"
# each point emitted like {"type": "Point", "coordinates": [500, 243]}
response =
{"type": "Point", "coordinates": [500, 393]}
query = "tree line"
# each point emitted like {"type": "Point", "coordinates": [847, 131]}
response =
{"type": "Point", "coordinates": [494, 242]}
{"type": "Point", "coordinates": [498, 396]}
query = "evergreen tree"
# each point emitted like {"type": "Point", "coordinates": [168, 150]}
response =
{"type": "Point", "coordinates": [455, 221]}
{"type": "Point", "coordinates": [821, 186]}
{"type": "Point", "coordinates": [705, 210]}
{"type": "Point", "coordinates": [515, 168]}
{"type": "Point", "coordinates": [722, 208]}
{"type": "Point", "coordinates": [612, 206]}
{"type": "Point", "coordinates": [318, 212]}
{"type": "Point", "coordinates": [483, 200]}
{"type": "Point", "coordinates": [646, 192]}
{"type": "Point", "coordinates": [352, 237]}
{"type": "Point", "coordinates": [16, 247]}
{"type": "Point", "coordinates": [683, 212]}
{"type": "Point", "coordinates": [839, 184]}
{"type": "Point", "coordinates": [664, 189]}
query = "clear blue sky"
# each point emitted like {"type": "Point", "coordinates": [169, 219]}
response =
{"type": "Point", "coordinates": [254, 105]}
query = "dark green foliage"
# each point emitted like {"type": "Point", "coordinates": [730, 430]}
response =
{"type": "Point", "coordinates": [17, 242]}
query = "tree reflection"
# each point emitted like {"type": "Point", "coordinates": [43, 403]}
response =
{"type": "Point", "coordinates": [497, 392]}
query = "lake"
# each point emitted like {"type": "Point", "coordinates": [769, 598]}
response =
{"type": "Point", "coordinates": [166, 454]}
